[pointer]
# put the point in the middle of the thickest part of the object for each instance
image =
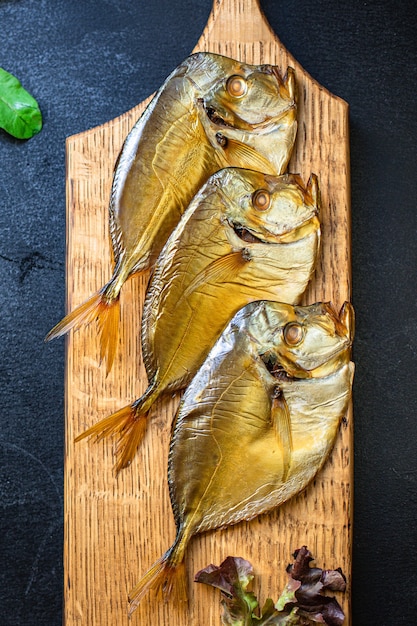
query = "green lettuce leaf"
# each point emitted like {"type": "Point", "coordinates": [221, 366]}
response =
{"type": "Point", "coordinates": [20, 115]}
{"type": "Point", "coordinates": [301, 603]}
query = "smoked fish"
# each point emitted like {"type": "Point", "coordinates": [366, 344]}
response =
{"type": "Point", "coordinates": [256, 423]}
{"type": "Point", "coordinates": [211, 112]}
{"type": "Point", "coordinates": [246, 236]}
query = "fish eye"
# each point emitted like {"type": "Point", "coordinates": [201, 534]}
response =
{"type": "Point", "coordinates": [293, 334]}
{"type": "Point", "coordinates": [236, 86]}
{"type": "Point", "coordinates": [261, 199]}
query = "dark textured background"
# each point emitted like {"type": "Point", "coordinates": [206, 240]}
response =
{"type": "Point", "coordinates": [87, 61]}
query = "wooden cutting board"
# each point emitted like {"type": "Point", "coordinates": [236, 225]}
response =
{"type": "Point", "coordinates": [116, 528]}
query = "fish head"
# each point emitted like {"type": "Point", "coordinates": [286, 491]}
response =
{"type": "Point", "coordinates": [304, 341]}
{"type": "Point", "coordinates": [246, 105]}
{"type": "Point", "coordinates": [270, 209]}
{"type": "Point", "coordinates": [317, 341]}
{"type": "Point", "coordinates": [250, 97]}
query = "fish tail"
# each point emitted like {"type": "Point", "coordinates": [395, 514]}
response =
{"type": "Point", "coordinates": [128, 425]}
{"type": "Point", "coordinates": [108, 323]}
{"type": "Point", "coordinates": [106, 311]}
{"type": "Point", "coordinates": [167, 576]}
{"type": "Point", "coordinates": [82, 314]}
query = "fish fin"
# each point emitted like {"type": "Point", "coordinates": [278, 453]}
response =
{"type": "Point", "coordinates": [82, 314]}
{"type": "Point", "coordinates": [220, 270]}
{"type": "Point", "coordinates": [281, 420]}
{"type": "Point", "coordinates": [313, 191]}
{"type": "Point", "coordinates": [108, 324]}
{"type": "Point", "coordinates": [105, 312]}
{"type": "Point", "coordinates": [242, 155]}
{"type": "Point", "coordinates": [290, 83]}
{"type": "Point", "coordinates": [167, 576]}
{"type": "Point", "coordinates": [128, 425]}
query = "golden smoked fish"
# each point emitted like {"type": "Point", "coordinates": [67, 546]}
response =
{"type": "Point", "coordinates": [256, 423]}
{"type": "Point", "coordinates": [246, 236]}
{"type": "Point", "coordinates": [210, 113]}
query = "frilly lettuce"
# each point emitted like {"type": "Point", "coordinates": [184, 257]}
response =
{"type": "Point", "coordinates": [302, 602]}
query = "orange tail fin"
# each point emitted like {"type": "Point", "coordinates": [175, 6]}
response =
{"type": "Point", "coordinates": [107, 314]}
{"type": "Point", "coordinates": [128, 424]}
{"type": "Point", "coordinates": [166, 576]}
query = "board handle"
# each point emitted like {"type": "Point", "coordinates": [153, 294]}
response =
{"type": "Point", "coordinates": [244, 19]}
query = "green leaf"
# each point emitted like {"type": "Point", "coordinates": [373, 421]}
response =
{"type": "Point", "coordinates": [20, 115]}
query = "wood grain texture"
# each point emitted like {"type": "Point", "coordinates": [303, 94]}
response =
{"type": "Point", "coordinates": [116, 528]}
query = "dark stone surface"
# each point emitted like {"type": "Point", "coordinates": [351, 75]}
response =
{"type": "Point", "coordinates": [86, 63]}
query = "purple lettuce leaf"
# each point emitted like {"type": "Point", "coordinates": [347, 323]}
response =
{"type": "Point", "coordinates": [302, 602]}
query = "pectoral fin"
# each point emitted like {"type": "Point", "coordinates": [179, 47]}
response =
{"type": "Point", "coordinates": [221, 270]}
{"type": "Point", "coordinates": [241, 155]}
{"type": "Point", "coordinates": [281, 422]}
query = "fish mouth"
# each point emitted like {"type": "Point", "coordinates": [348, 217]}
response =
{"type": "Point", "coordinates": [245, 234]}
{"type": "Point", "coordinates": [215, 117]}
{"type": "Point", "coordinates": [277, 370]}
{"type": "Point", "coordinates": [290, 236]}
